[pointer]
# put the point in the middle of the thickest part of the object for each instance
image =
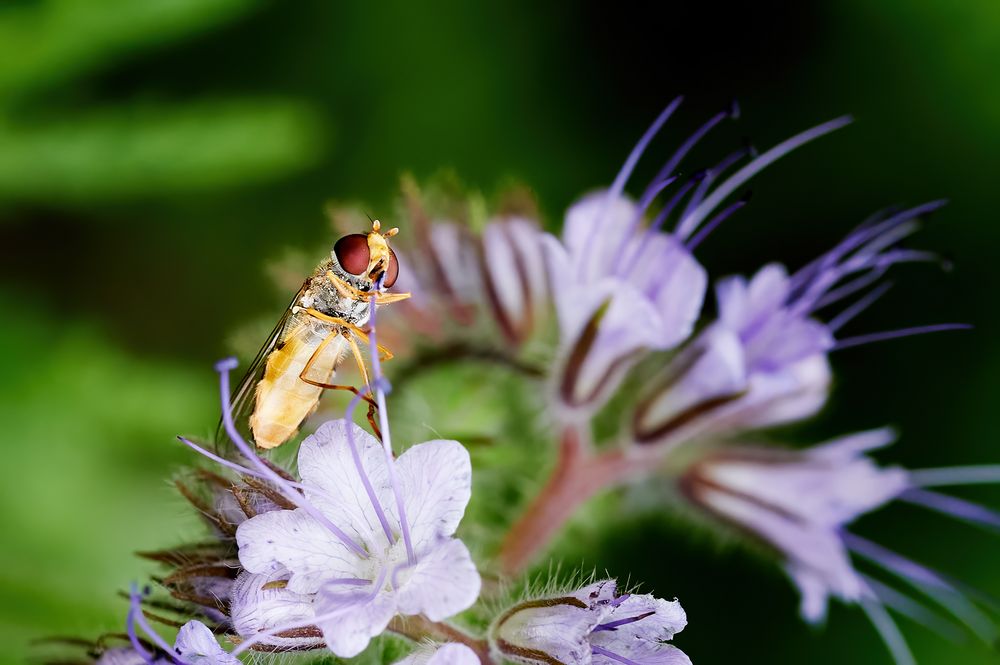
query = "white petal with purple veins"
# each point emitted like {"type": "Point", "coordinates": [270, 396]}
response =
{"type": "Point", "coordinates": [436, 479]}
{"type": "Point", "coordinates": [293, 540]}
{"type": "Point", "coordinates": [444, 582]}
{"type": "Point", "coordinates": [326, 463]}
{"type": "Point", "coordinates": [350, 618]}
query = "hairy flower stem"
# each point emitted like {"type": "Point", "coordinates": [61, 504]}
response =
{"type": "Point", "coordinates": [419, 628]}
{"type": "Point", "coordinates": [578, 475]}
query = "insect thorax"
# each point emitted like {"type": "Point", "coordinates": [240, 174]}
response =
{"type": "Point", "coordinates": [321, 295]}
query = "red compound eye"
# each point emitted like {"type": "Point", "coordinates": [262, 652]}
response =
{"type": "Point", "coordinates": [393, 271]}
{"type": "Point", "coordinates": [352, 253]}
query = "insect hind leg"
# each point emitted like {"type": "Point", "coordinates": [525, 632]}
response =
{"type": "Point", "coordinates": [372, 406]}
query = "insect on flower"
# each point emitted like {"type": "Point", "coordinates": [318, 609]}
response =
{"type": "Point", "coordinates": [283, 385]}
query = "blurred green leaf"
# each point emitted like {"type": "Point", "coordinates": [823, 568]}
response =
{"type": "Point", "coordinates": [45, 42]}
{"type": "Point", "coordinates": [140, 150]}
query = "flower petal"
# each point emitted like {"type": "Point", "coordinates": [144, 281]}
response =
{"type": "Point", "coordinates": [548, 630]}
{"type": "Point", "coordinates": [293, 540]}
{"type": "Point", "coordinates": [595, 233]}
{"type": "Point", "coordinates": [350, 618]}
{"type": "Point", "coordinates": [451, 653]}
{"type": "Point", "coordinates": [645, 653]}
{"type": "Point", "coordinates": [436, 484]}
{"type": "Point", "coordinates": [256, 607]}
{"type": "Point", "coordinates": [642, 616]}
{"type": "Point", "coordinates": [197, 646]}
{"type": "Point", "coordinates": [443, 583]}
{"type": "Point", "coordinates": [326, 463]}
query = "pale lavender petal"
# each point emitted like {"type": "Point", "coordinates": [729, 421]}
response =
{"type": "Point", "coordinates": [628, 325]}
{"type": "Point", "coordinates": [124, 656]}
{"type": "Point", "coordinates": [797, 392]}
{"type": "Point", "coordinates": [436, 484]}
{"type": "Point", "coordinates": [350, 618]}
{"type": "Point", "coordinates": [196, 645]}
{"type": "Point", "coordinates": [714, 369]}
{"type": "Point", "coordinates": [255, 608]}
{"type": "Point", "coordinates": [814, 592]}
{"type": "Point", "coordinates": [596, 229]}
{"type": "Point", "coordinates": [848, 447]}
{"type": "Point", "coordinates": [443, 583]}
{"type": "Point", "coordinates": [293, 540]}
{"type": "Point", "coordinates": [557, 628]}
{"type": "Point", "coordinates": [641, 617]}
{"type": "Point", "coordinates": [809, 545]}
{"type": "Point", "coordinates": [825, 492]}
{"type": "Point", "coordinates": [326, 464]}
{"type": "Point", "coordinates": [450, 653]}
{"type": "Point", "coordinates": [641, 652]}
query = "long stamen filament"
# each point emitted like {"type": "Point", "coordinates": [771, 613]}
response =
{"type": "Point", "coordinates": [737, 179]}
{"type": "Point", "coordinates": [136, 616]}
{"type": "Point", "coordinates": [380, 386]}
{"type": "Point", "coordinates": [956, 475]}
{"type": "Point", "coordinates": [223, 368]}
{"type": "Point", "coordinates": [376, 504]}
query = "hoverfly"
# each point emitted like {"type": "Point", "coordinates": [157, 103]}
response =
{"type": "Point", "coordinates": [322, 323]}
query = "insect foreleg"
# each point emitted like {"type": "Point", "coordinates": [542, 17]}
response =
{"type": "Point", "coordinates": [386, 298]}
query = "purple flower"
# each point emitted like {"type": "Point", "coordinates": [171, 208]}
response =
{"type": "Point", "coordinates": [799, 503]}
{"type": "Point", "coordinates": [361, 563]}
{"type": "Point", "coordinates": [446, 654]}
{"type": "Point", "coordinates": [591, 625]}
{"type": "Point", "coordinates": [514, 276]}
{"type": "Point", "coordinates": [196, 645]}
{"type": "Point", "coordinates": [623, 287]}
{"type": "Point", "coordinates": [764, 360]}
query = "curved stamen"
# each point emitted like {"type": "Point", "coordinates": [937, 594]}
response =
{"type": "Point", "coordinates": [613, 625]}
{"type": "Point", "coordinates": [713, 223]}
{"type": "Point", "coordinates": [683, 230]}
{"type": "Point", "coordinates": [895, 334]}
{"type": "Point", "coordinates": [250, 472]}
{"type": "Point", "coordinates": [134, 638]}
{"type": "Point", "coordinates": [136, 616]}
{"type": "Point", "coordinates": [313, 621]}
{"type": "Point", "coordinates": [223, 367]}
{"type": "Point", "coordinates": [842, 319]}
{"type": "Point", "coordinates": [953, 507]}
{"type": "Point", "coordinates": [914, 610]}
{"type": "Point", "coordinates": [888, 631]}
{"type": "Point", "coordinates": [956, 475]}
{"type": "Point", "coordinates": [376, 504]}
{"type": "Point", "coordinates": [600, 651]}
{"type": "Point", "coordinates": [734, 181]}
{"type": "Point", "coordinates": [381, 385]}
{"type": "Point", "coordinates": [618, 186]}
{"type": "Point", "coordinates": [927, 581]}
{"type": "Point", "coordinates": [682, 151]}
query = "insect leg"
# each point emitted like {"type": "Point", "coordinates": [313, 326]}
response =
{"type": "Point", "coordinates": [321, 384]}
{"type": "Point", "coordinates": [346, 289]}
{"type": "Point", "coordinates": [360, 360]}
{"type": "Point", "coordinates": [386, 298]}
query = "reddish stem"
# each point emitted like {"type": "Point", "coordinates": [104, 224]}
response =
{"type": "Point", "coordinates": [577, 477]}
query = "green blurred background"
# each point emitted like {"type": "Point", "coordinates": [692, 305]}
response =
{"type": "Point", "coordinates": [155, 155]}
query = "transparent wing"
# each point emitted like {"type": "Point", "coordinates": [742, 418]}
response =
{"type": "Point", "coordinates": [243, 396]}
